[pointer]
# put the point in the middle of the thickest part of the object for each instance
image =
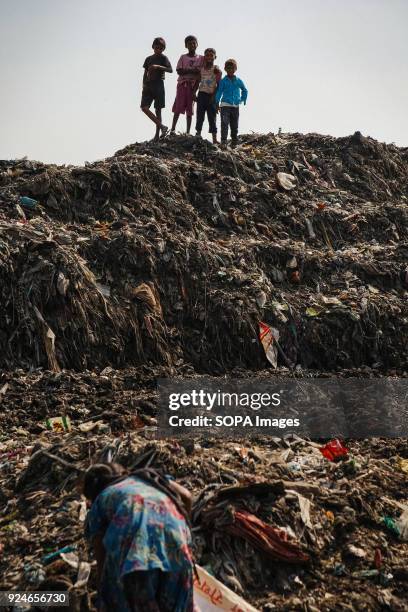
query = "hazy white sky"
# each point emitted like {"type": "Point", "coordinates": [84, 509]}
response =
{"type": "Point", "coordinates": [71, 70]}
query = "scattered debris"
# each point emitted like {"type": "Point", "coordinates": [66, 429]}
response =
{"type": "Point", "coordinates": [269, 337]}
{"type": "Point", "coordinates": [61, 423]}
{"type": "Point", "coordinates": [286, 181]}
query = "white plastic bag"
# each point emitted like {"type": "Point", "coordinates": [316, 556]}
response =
{"type": "Point", "coordinates": [211, 595]}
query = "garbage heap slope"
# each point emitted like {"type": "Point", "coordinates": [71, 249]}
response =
{"type": "Point", "coordinates": [174, 252]}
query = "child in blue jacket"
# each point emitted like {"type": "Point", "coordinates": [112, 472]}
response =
{"type": "Point", "coordinates": [230, 94]}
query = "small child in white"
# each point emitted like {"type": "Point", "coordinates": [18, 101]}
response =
{"type": "Point", "coordinates": [210, 77]}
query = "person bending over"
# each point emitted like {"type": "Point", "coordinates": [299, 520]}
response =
{"type": "Point", "coordinates": [138, 524]}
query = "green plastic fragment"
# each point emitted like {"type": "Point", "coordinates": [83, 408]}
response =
{"type": "Point", "coordinates": [390, 523]}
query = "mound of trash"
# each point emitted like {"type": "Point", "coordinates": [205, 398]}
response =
{"type": "Point", "coordinates": [173, 253]}
{"type": "Point", "coordinates": [177, 258]}
{"type": "Point", "coordinates": [282, 522]}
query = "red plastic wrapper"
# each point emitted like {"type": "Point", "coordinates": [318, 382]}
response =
{"type": "Point", "coordinates": [263, 536]}
{"type": "Point", "coordinates": [334, 450]}
{"type": "Point", "coordinates": [377, 558]}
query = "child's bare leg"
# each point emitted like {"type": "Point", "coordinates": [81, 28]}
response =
{"type": "Point", "coordinates": [188, 118]}
{"type": "Point", "coordinates": [212, 122]}
{"type": "Point", "coordinates": [175, 119]}
{"type": "Point", "coordinates": [159, 117]}
{"type": "Point", "coordinates": [151, 116]}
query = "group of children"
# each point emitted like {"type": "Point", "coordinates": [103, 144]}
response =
{"type": "Point", "coordinates": [199, 80]}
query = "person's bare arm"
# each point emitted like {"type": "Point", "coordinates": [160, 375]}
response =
{"type": "Point", "coordinates": [154, 67]}
{"type": "Point", "coordinates": [99, 553]}
{"type": "Point", "coordinates": [184, 494]}
{"type": "Point", "coordinates": [159, 67]}
{"type": "Point", "coordinates": [195, 88]}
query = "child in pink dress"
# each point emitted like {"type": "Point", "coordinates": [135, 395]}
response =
{"type": "Point", "coordinates": [189, 71]}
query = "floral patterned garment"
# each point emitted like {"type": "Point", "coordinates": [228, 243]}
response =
{"type": "Point", "coordinates": [143, 530]}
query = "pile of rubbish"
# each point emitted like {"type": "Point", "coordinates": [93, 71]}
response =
{"type": "Point", "coordinates": [286, 257]}
{"type": "Point", "coordinates": [279, 521]}
{"type": "Point", "coordinates": [173, 253]}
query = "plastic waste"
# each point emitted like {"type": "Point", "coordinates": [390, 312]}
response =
{"type": "Point", "coordinates": [384, 578]}
{"type": "Point", "coordinates": [310, 228]}
{"type": "Point", "coordinates": [48, 558]}
{"type": "Point", "coordinates": [311, 311]}
{"type": "Point", "coordinates": [377, 558]}
{"type": "Point", "coordinates": [403, 465]}
{"type": "Point", "coordinates": [351, 467]}
{"type": "Point", "coordinates": [59, 424]}
{"type": "Point", "coordinates": [264, 537]}
{"type": "Point", "coordinates": [355, 552]}
{"type": "Point", "coordinates": [339, 569]}
{"type": "Point", "coordinates": [84, 568]}
{"type": "Point", "coordinates": [28, 202]}
{"type": "Point", "coordinates": [211, 595]}
{"type": "Point", "coordinates": [295, 277]}
{"type": "Point", "coordinates": [371, 573]}
{"type": "Point", "coordinates": [286, 181]}
{"type": "Point", "coordinates": [391, 525]}
{"type": "Point", "coordinates": [402, 526]}
{"type": "Point", "coordinates": [267, 335]}
{"type": "Point", "coordinates": [34, 573]}
{"type": "Point", "coordinates": [334, 450]}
